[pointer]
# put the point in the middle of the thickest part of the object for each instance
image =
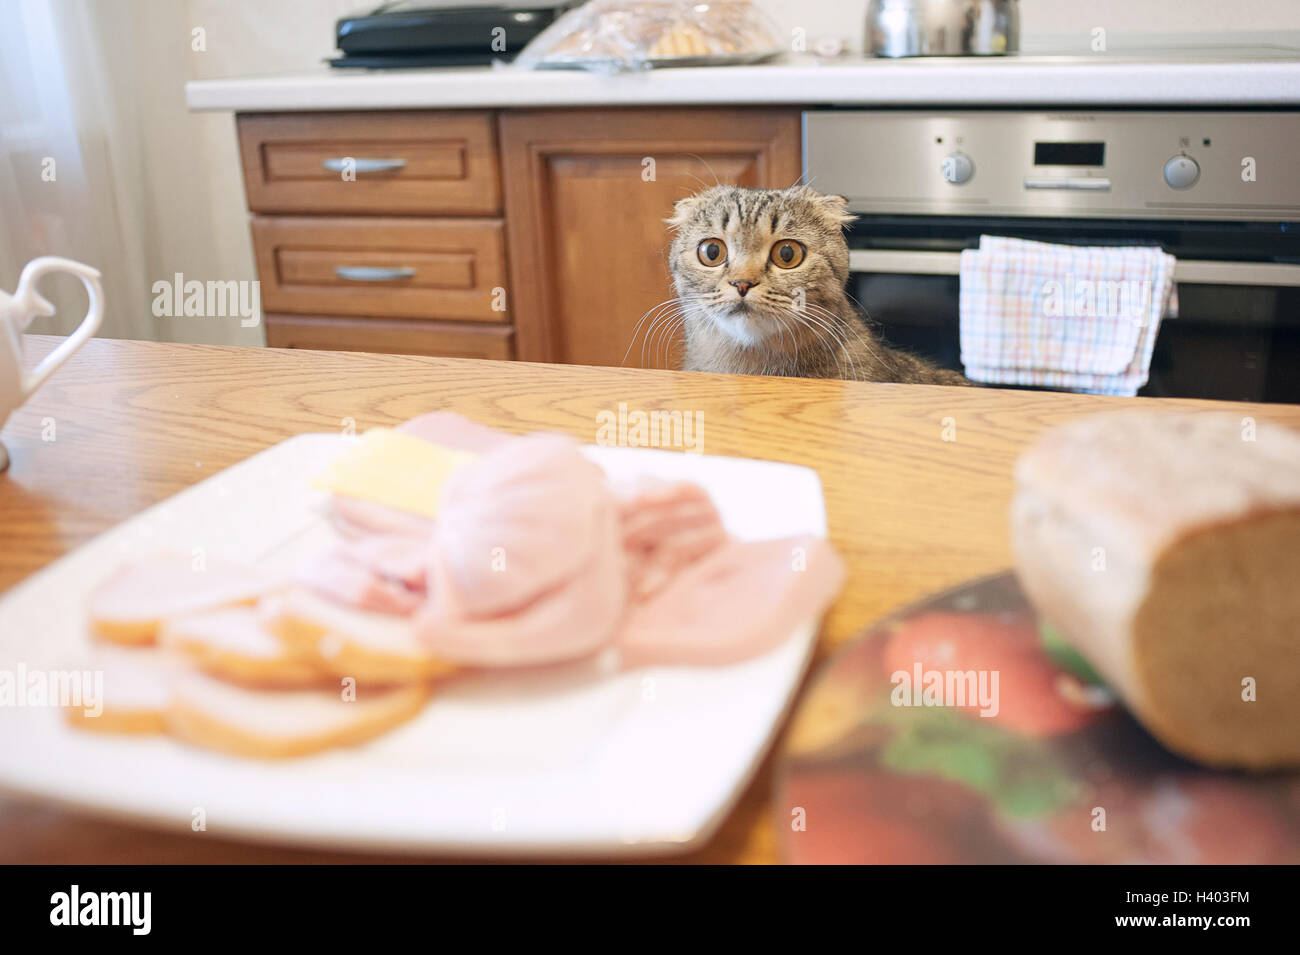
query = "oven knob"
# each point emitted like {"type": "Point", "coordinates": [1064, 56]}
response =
{"type": "Point", "coordinates": [957, 168]}
{"type": "Point", "coordinates": [1181, 172]}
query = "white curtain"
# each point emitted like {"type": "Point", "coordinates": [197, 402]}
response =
{"type": "Point", "coordinates": [70, 182]}
{"type": "Point", "coordinates": [92, 92]}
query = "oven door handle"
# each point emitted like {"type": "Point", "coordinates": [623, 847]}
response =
{"type": "Point", "coordinates": [1189, 271]}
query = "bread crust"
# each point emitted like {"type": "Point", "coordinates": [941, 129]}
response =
{"type": "Point", "coordinates": [1161, 545]}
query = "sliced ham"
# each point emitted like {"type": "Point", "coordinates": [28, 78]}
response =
{"type": "Point", "coordinates": [355, 518]}
{"type": "Point", "coordinates": [520, 521]}
{"type": "Point", "coordinates": [452, 430]}
{"type": "Point", "coordinates": [336, 575]}
{"type": "Point", "coordinates": [130, 606]}
{"type": "Point", "coordinates": [577, 618]}
{"type": "Point", "coordinates": [528, 563]}
{"type": "Point", "coordinates": [739, 601]}
{"type": "Point", "coordinates": [666, 526]}
{"type": "Point", "coordinates": [394, 557]}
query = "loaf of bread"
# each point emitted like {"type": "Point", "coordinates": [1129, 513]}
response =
{"type": "Point", "coordinates": [1165, 546]}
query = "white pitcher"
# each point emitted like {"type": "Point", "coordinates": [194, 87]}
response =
{"type": "Point", "coordinates": [17, 312]}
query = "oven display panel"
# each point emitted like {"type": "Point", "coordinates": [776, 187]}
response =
{"type": "Point", "coordinates": [1069, 154]}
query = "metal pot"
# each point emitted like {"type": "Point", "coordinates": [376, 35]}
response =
{"type": "Point", "coordinates": [942, 27]}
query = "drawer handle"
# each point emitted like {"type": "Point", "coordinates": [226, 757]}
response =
{"type": "Point", "coordinates": [367, 273]}
{"type": "Point", "coordinates": [362, 165]}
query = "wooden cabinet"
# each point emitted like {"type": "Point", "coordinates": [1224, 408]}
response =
{"type": "Point", "coordinates": [379, 231]}
{"type": "Point", "coordinates": [586, 195]}
{"type": "Point", "coordinates": [386, 267]}
{"type": "Point", "coordinates": [533, 234]}
{"type": "Point", "coordinates": [398, 163]}
{"type": "Point", "coordinates": [404, 337]}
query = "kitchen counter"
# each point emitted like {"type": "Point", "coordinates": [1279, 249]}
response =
{"type": "Point", "coordinates": [1088, 80]}
{"type": "Point", "coordinates": [139, 421]}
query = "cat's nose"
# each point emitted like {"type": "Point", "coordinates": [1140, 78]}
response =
{"type": "Point", "coordinates": [742, 286]}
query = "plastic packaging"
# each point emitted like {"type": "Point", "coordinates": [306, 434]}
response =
{"type": "Point", "coordinates": [618, 35]}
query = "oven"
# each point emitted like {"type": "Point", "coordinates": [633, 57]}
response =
{"type": "Point", "coordinates": [1218, 190]}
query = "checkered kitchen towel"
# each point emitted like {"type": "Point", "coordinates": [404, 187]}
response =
{"type": "Point", "coordinates": [1078, 318]}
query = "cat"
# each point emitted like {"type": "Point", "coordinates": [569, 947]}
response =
{"type": "Point", "coordinates": [759, 276]}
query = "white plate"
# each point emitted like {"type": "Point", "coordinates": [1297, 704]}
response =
{"type": "Point", "coordinates": [576, 759]}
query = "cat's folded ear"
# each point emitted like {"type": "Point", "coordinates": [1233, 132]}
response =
{"type": "Point", "coordinates": [837, 208]}
{"type": "Point", "coordinates": [683, 209]}
{"type": "Point", "coordinates": [834, 208]}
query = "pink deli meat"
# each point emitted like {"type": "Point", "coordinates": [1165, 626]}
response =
{"type": "Point", "coordinates": [395, 557]}
{"type": "Point", "coordinates": [537, 558]}
{"type": "Point", "coordinates": [516, 523]}
{"type": "Point", "coordinates": [355, 519]}
{"type": "Point", "coordinates": [667, 525]}
{"type": "Point", "coordinates": [455, 431]}
{"type": "Point", "coordinates": [742, 600]}
{"type": "Point", "coordinates": [337, 576]}
{"type": "Point", "coordinates": [527, 564]}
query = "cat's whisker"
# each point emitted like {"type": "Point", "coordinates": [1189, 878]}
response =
{"type": "Point", "coordinates": [716, 180]}
{"type": "Point", "coordinates": [865, 340]}
{"type": "Point", "coordinates": [636, 330]}
{"type": "Point", "coordinates": [794, 339]}
{"type": "Point", "coordinates": [660, 321]}
{"type": "Point", "coordinates": [780, 332]}
{"type": "Point", "coordinates": [665, 335]}
{"type": "Point", "coordinates": [666, 304]}
{"type": "Point", "coordinates": [867, 344]}
{"type": "Point", "coordinates": [815, 330]}
{"type": "Point", "coordinates": [845, 353]}
{"type": "Point", "coordinates": [823, 328]}
{"type": "Point", "coordinates": [865, 321]}
{"type": "Point", "coordinates": [649, 338]}
{"type": "Point", "coordinates": [650, 335]}
{"type": "Point", "coordinates": [668, 336]}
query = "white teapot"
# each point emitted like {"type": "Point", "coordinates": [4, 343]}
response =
{"type": "Point", "coordinates": [17, 312]}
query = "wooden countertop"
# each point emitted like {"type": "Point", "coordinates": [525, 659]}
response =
{"type": "Point", "coordinates": [134, 422]}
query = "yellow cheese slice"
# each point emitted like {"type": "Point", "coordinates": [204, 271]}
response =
{"type": "Point", "coordinates": [395, 469]}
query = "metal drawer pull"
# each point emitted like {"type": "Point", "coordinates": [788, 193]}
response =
{"type": "Point", "coordinates": [362, 165]}
{"type": "Point", "coordinates": [1191, 271]}
{"type": "Point", "coordinates": [368, 273]}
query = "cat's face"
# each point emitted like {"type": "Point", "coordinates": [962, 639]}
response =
{"type": "Point", "coordinates": [747, 260]}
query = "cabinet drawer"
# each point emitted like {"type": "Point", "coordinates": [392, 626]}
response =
{"type": "Point", "coordinates": [444, 339]}
{"type": "Point", "coordinates": [392, 268]}
{"type": "Point", "coordinates": [403, 163]}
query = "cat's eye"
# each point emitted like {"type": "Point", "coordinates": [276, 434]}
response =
{"type": "Point", "coordinates": [787, 253]}
{"type": "Point", "coordinates": [712, 252]}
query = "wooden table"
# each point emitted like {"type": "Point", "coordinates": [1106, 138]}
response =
{"type": "Point", "coordinates": [134, 422]}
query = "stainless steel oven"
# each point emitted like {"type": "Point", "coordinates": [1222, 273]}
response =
{"type": "Point", "coordinates": [1219, 190]}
